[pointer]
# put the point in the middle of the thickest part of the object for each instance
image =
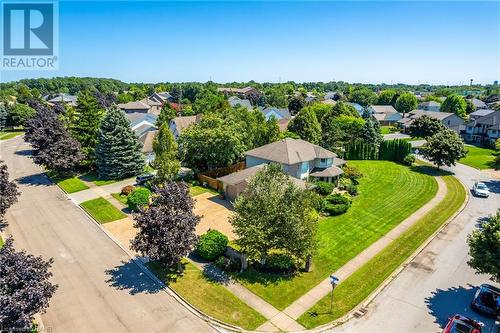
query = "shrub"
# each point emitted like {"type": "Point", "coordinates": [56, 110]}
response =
{"type": "Point", "coordinates": [352, 189]}
{"type": "Point", "coordinates": [126, 190]}
{"type": "Point", "coordinates": [409, 159]}
{"type": "Point", "coordinates": [228, 264]}
{"type": "Point", "coordinates": [336, 204]}
{"type": "Point", "coordinates": [352, 173]}
{"type": "Point", "coordinates": [138, 198]}
{"type": "Point", "coordinates": [323, 188]}
{"type": "Point", "coordinates": [211, 245]}
{"type": "Point", "coordinates": [280, 263]}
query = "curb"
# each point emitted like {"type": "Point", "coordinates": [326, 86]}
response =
{"type": "Point", "coordinates": [395, 273]}
{"type": "Point", "coordinates": [214, 323]}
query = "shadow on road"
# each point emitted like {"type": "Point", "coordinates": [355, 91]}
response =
{"type": "Point", "coordinates": [443, 304]}
{"type": "Point", "coordinates": [493, 186]}
{"type": "Point", "coordinates": [25, 152]}
{"type": "Point", "coordinates": [38, 179]}
{"type": "Point", "coordinates": [129, 276]}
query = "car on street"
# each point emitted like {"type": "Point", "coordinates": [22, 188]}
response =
{"type": "Point", "coordinates": [144, 178]}
{"type": "Point", "coordinates": [481, 190]}
{"type": "Point", "coordinates": [487, 300]}
{"type": "Point", "coordinates": [462, 324]}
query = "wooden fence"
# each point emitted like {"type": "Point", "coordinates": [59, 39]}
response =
{"type": "Point", "coordinates": [209, 177]}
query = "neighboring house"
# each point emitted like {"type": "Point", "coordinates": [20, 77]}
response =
{"type": "Point", "coordinates": [300, 160]}
{"type": "Point", "coordinates": [277, 113]}
{"type": "Point", "coordinates": [283, 124]}
{"type": "Point", "coordinates": [483, 130]}
{"type": "Point", "coordinates": [385, 114]}
{"type": "Point", "coordinates": [358, 107]}
{"type": "Point", "coordinates": [450, 120]}
{"type": "Point", "coordinates": [161, 97]}
{"type": "Point", "coordinates": [246, 93]}
{"type": "Point", "coordinates": [63, 99]}
{"type": "Point", "coordinates": [329, 102]}
{"type": "Point", "coordinates": [178, 124]}
{"type": "Point", "coordinates": [147, 145]}
{"type": "Point", "coordinates": [479, 104]}
{"type": "Point", "coordinates": [154, 106]}
{"type": "Point", "coordinates": [310, 97]}
{"type": "Point", "coordinates": [235, 101]}
{"type": "Point", "coordinates": [430, 106]}
{"type": "Point", "coordinates": [144, 127]}
{"type": "Point", "coordinates": [480, 113]}
{"type": "Point", "coordinates": [134, 107]}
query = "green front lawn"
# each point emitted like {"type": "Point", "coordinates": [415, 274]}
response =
{"type": "Point", "coordinates": [479, 158]}
{"type": "Point", "coordinates": [210, 297]}
{"type": "Point", "coordinates": [357, 287]}
{"type": "Point", "coordinates": [120, 197]}
{"type": "Point", "coordinates": [6, 135]}
{"type": "Point", "coordinates": [389, 193]}
{"type": "Point", "coordinates": [68, 184]}
{"type": "Point", "coordinates": [102, 211]}
{"type": "Point", "coordinates": [388, 129]}
{"type": "Point", "coordinates": [197, 190]}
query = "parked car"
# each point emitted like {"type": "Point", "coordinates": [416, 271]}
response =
{"type": "Point", "coordinates": [142, 179]}
{"type": "Point", "coordinates": [487, 300]}
{"type": "Point", "coordinates": [462, 324]}
{"type": "Point", "coordinates": [481, 190]}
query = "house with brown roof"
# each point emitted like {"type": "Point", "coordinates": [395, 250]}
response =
{"type": "Point", "coordinates": [301, 160]}
{"type": "Point", "coordinates": [450, 120]}
{"type": "Point", "coordinates": [178, 124]}
{"type": "Point", "coordinates": [249, 93]}
{"type": "Point", "coordinates": [385, 114]}
{"type": "Point", "coordinates": [134, 106]}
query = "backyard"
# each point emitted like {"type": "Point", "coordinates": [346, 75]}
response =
{"type": "Point", "coordinates": [389, 193]}
{"type": "Point", "coordinates": [478, 157]}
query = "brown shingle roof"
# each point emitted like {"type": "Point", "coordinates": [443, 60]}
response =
{"type": "Point", "coordinates": [135, 105]}
{"type": "Point", "coordinates": [182, 122]}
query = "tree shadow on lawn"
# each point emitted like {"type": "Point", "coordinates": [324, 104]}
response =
{"type": "Point", "coordinates": [253, 276]}
{"type": "Point", "coordinates": [210, 271]}
{"type": "Point", "coordinates": [443, 304]}
{"type": "Point", "coordinates": [129, 276]}
{"type": "Point", "coordinates": [430, 170]}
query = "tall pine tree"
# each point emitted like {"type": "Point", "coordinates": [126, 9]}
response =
{"type": "Point", "coordinates": [85, 127]}
{"type": "Point", "coordinates": [118, 151]}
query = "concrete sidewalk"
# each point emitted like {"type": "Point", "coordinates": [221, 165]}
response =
{"type": "Point", "coordinates": [304, 303]}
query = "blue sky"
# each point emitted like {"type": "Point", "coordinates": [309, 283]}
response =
{"type": "Point", "coordinates": [389, 41]}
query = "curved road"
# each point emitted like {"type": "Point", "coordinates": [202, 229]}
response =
{"type": "Point", "coordinates": [100, 288]}
{"type": "Point", "coordinates": [437, 283]}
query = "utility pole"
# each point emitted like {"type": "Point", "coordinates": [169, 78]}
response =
{"type": "Point", "coordinates": [334, 282]}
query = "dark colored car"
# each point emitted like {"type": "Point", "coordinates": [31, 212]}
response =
{"type": "Point", "coordinates": [487, 300]}
{"type": "Point", "coordinates": [462, 324]}
{"type": "Point", "coordinates": [142, 179]}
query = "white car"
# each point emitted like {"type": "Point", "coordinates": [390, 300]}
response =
{"type": "Point", "coordinates": [481, 190]}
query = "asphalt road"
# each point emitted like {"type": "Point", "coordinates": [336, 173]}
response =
{"type": "Point", "coordinates": [438, 283]}
{"type": "Point", "coordinates": [100, 288]}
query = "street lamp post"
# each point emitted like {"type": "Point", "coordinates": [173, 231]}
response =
{"type": "Point", "coordinates": [334, 282]}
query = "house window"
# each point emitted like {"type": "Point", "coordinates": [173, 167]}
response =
{"type": "Point", "coordinates": [322, 161]}
{"type": "Point", "coordinates": [304, 166]}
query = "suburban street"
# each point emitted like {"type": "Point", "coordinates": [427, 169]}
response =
{"type": "Point", "coordinates": [100, 288]}
{"type": "Point", "coordinates": [438, 283]}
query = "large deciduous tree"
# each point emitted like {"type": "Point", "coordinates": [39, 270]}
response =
{"type": "Point", "coordinates": [425, 126]}
{"type": "Point", "coordinates": [166, 162]}
{"type": "Point", "coordinates": [296, 103]}
{"type": "Point", "coordinates": [166, 229]}
{"type": "Point", "coordinates": [306, 125]}
{"type": "Point", "coordinates": [167, 113]}
{"type": "Point", "coordinates": [3, 117]}
{"type": "Point", "coordinates": [444, 148]}
{"type": "Point", "coordinates": [53, 146]}
{"type": "Point", "coordinates": [341, 130]}
{"type": "Point", "coordinates": [455, 104]}
{"type": "Point", "coordinates": [19, 113]}
{"type": "Point", "coordinates": [342, 109]}
{"type": "Point", "coordinates": [363, 96]}
{"type": "Point", "coordinates": [8, 190]}
{"type": "Point", "coordinates": [274, 214]}
{"type": "Point", "coordinates": [118, 151]}
{"type": "Point", "coordinates": [406, 102]}
{"type": "Point", "coordinates": [25, 289]}
{"type": "Point", "coordinates": [85, 126]}
{"type": "Point", "coordinates": [386, 97]}
{"type": "Point", "coordinates": [484, 248]}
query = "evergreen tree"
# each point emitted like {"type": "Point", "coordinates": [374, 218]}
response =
{"type": "Point", "coordinates": [85, 127]}
{"type": "Point", "coordinates": [167, 113]}
{"type": "Point", "coordinates": [118, 151]}
{"type": "Point", "coordinates": [167, 227]}
{"type": "Point", "coordinates": [53, 146]}
{"type": "Point", "coordinates": [166, 162]}
{"type": "Point", "coordinates": [369, 133]}
{"type": "Point", "coordinates": [306, 125]}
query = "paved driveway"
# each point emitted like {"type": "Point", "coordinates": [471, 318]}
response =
{"type": "Point", "coordinates": [438, 283]}
{"type": "Point", "coordinates": [215, 213]}
{"type": "Point", "coordinates": [100, 288]}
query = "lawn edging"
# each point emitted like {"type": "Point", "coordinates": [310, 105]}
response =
{"type": "Point", "coordinates": [363, 304]}
{"type": "Point", "coordinates": [215, 323]}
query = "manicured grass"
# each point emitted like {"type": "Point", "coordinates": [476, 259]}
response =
{"type": "Point", "coordinates": [210, 297]}
{"type": "Point", "coordinates": [102, 211]}
{"type": "Point", "coordinates": [388, 129]}
{"type": "Point", "coordinates": [366, 279]}
{"type": "Point", "coordinates": [120, 197]}
{"type": "Point", "coordinates": [389, 193]}
{"type": "Point", "coordinates": [92, 177]}
{"type": "Point", "coordinates": [479, 158]}
{"type": "Point", "coordinates": [197, 190]}
{"type": "Point", "coordinates": [68, 184]}
{"type": "Point", "coordinates": [1, 242]}
{"type": "Point", "coordinates": [6, 135]}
